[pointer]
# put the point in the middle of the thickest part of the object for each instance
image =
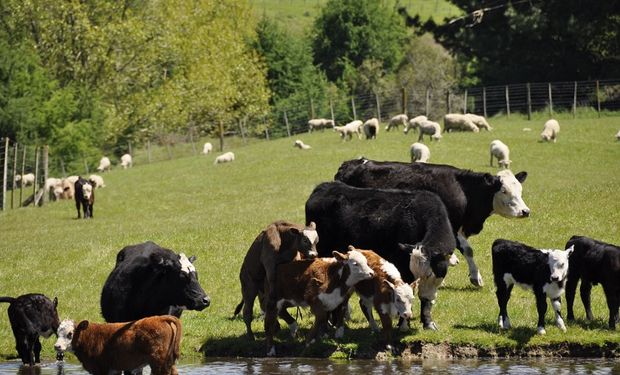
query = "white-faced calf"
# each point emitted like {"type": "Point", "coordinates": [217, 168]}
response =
{"type": "Point", "coordinates": [542, 271]}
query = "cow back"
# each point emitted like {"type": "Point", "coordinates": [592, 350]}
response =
{"type": "Point", "coordinates": [526, 264]}
{"type": "Point", "coordinates": [594, 260]}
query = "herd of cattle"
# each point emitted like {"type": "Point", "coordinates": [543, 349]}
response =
{"type": "Point", "coordinates": [382, 230]}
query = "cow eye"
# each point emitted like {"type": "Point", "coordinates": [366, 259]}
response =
{"type": "Point", "coordinates": [70, 335]}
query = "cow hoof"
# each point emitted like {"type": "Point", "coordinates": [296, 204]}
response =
{"type": "Point", "coordinates": [476, 280]}
{"type": "Point", "coordinates": [431, 326]}
{"type": "Point", "coordinates": [272, 352]}
{"type": "Point", "coordinates": [541, 331]}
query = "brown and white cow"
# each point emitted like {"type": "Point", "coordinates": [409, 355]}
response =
{"type": "Point", "coordinates": [114, 347]}
{"type": "Point", "coordinates": [322, 284]}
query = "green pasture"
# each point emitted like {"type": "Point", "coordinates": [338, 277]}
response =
{"type": "Point", "coordinates": [215, 212]}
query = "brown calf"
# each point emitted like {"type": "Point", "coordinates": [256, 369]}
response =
{"type": "Point", "coordinates": [322, 284]}
{"type": "Point", "coordinates": [279, 243]}
{"type": "Point", "coordinates": [110, 347]}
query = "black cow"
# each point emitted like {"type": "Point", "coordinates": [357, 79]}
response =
{"type": "Point", "coordinates": [149, 280]}
{"type": "Point", "coordinates": [470, 197]}
{"type": "Point", "coordinates": [31, 316]}
{"type": "Point", "coordinates": [383, 220]}
{"type": "Point", "coordinates": [543, 271]}
{"type": "Point", "coordinates": [594, 262]}
{"type": "Point", "coordinates": [84, 197]}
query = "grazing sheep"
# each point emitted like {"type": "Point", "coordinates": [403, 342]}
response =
{"type": "Point", "coordinates": [68, 187]}
{"type": "Point", "coordinates": [53, 186]}
{"type": "Point", "coordinates": [126, 161]}
{"type": "Point", "coordinates": [499, 150]}
{"type": "Point", "coordinates": [479, 121]}
{"type": "Point", "coordinates": [97, 180]}
{"type": "Point", "coordinates": [396, 121]}
{"type": "Point", "coordinates": [208, 147]}
{"type": "Point", "coordinates": [457, 121]}
{"type": "Point", "coordinates": [319, 123]}
{"type": "Point", "coordinates": [431, 128]}
{"type": "Point", "coordinates": [25, 179]}
{"type": "Point", "coordinates": [104, 164]}
{"type": "Point", "coordinates": [371, 128]}
{"type": "Point", "coordinates": [347, 131]}
{"type": "Point", "coordinates": [301, 145]}
{"type": "Point", "coordinates": [414, 123]}
{"type": "Point", "coordinates": [225, 158]}
{"type": "Point", "coordinates": [420, 153]}
{"type": "Point", "coordinates": [550, 131]}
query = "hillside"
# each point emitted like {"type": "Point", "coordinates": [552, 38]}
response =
{"type": "Point", "coordinates": [216, 211]}
{"type": "Point", "coordinates": [298, 15]}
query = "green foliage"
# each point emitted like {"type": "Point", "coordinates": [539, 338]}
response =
{"type": "Point", "coordinates": [536, 41]}
{"type": "Point", "coordinates": [352, 31]}
{"type": "Point", "coordinates": [216, 211]}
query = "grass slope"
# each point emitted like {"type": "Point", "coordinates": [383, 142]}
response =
{"type": "Point", "coordinates": [215, 212]}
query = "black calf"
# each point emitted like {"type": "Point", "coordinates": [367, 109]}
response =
{"type": "Point", "coordinates": [594, 262]}
{"type": "Point", "coordinates": [31, 316]}
{"type": "Point", "coordinates": [85, 197]}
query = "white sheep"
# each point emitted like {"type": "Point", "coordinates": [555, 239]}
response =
{"type": "Point", "coordinates": [126, 161]}
{"type": "Point", "coordinates": [97, 180]}
{"type": "Point", "coordinates": [104, 164]}
{"type": "Point", "coordinates": [479, 121]}
{"type": "Point", "coordinates": [208, 147]}
{"type": "Point", "coordinates": [414, 123]}
{"type": "Point", "coordinates": [301, 145]}
{"type": "Point", "coordinates": [499, 150]}
{"type": "Point", "coordinates": [396, 121]}
{"type": "Point", "coordinates": [371, 128]}
{"type": "Point", "coordinates": [347, 131]}
{"type": "Point", "coordinates": [68, 187]}
{"type": "Point", "coordinates": [550, 131]}
{"type": "Point", "coordinates": [226, 157]}
{"type": "Point", "coordinates": [420, 153]}
{"type": "Point", "coordinates": [53, 186]}
{"type": "Point", "coordinates": [319, 123]}
{"type": "Point", "coordinates": [457, 121]}
{"type": "Point", "coordinates": [431, 128]}
{"type": "Point", "coordinates": [25, 179]}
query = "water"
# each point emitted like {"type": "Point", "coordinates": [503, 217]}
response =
{"type": "Point", "coordinates": [250, 366]}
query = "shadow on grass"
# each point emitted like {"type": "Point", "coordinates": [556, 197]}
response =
{"type": "Point", "coordinates": [521, 335]}
{"type": "Point", "coordinates": [601, 324]}
{"type": "Point", "coordinates": [462, 288]}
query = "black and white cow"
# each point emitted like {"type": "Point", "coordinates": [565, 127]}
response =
{"type": "Point", "coordinates": [84, 197]}
{"type": "Point", "coordinates": [594, 262]}
{"type": "Point", "coordinates": [149, 280]}
{"type": "Point", "coordinates": [32, 315]}
{"type": "Point", "coordinates": [470, 197]}
{"type": "Point", "coordinates": [543, 271]}
{"type": "Point", "coordinates": [384, 220]}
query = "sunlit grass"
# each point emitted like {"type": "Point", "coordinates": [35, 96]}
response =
{"type": "Point", "coordinates": [216, 211]}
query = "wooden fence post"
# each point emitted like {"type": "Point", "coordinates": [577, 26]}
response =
{"type": "Point", "coordinates": [14, 184]}
{"type": "Point", "coordinates": [5, 173]}
{"type": "Point", "coordinates": [484, 101]}
{"type": "Point", "coordinates": [267, 134]}
{"type": "Point", "coordinates": [550, 100]}
{"type": "Point", "coordinates": [428, 101]}
{"type": "Point", "coordinates": [331, 109]}
{"type": "Point", "coordinates": [448, 102]}
{"type": "Point", "coordinates": [353, 107]}
{"type": "Point", "coordinates": [312, 114]}
{"type": "Point", "coordinates": [404, 100]}
{"type": "Point", "coordinates": [191, 139]}
{"type": "Point", "coordinates": [575, 100]}
{"type": "Point", "coordinates": [598, 99]}
{"type": "Point", "coordinates": [529, 103]}
{"type": "Point", "coordinates": [221, 129]}
{"type": "Point", "coordinates": [148, 150]}
{"type": "Point", "coordinates": [21, 181]}
{"type": "Point", "coordinates": [288, 129]}
{"type": "Point", "coordinates": [378, 107]}
{"type": "Point", "coordinates": [129, 148]}
{"type": "Point", "coordinates": [465, 102]}
{"type": "Point", "coordinates": [507, 102]}
{"type": "Point", "coordinates": [36, 175]}
{"type": "Point", "coordinates": [46, 159]}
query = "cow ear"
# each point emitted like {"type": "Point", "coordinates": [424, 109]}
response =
{"type": "Point", "coordinates": [312, 225]}
{"type": "Point", "coordinates": [295, 231]}
{"type": "Point", "coordinates": [192, 259]}
{"type": "Point", "coordinates": [83, 325]}
{"type": "Point", "coordinates": [271, 238]}
{"type": "Point", "coordinates": [339, 256]}
{"type": "Point", "coordinates": [404, 248]}
{"type": "Point", "coordinates": [570, 250]}
{"type": "Point", "coordinates": [350, 248]}
{"type": "Point", "coordinates": [55, 302]}
{"type": "Point", "coordinates": [521, 176]}
{"type": "Point", "coordinates": [164, 264]}
{"type": "Point", "coordinates": [491, 180]}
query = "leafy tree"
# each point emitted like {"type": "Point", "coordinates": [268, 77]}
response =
{"type": "Point", "coordinates": [349, 32]}
{"type": "Point", "coordinates": [521, 41]}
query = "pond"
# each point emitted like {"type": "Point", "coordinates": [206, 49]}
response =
{"type": "Point", "coordinates": [255, 366]}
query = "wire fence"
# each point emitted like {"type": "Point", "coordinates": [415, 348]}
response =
{"type": "Point", "coordinates": [507, 100]}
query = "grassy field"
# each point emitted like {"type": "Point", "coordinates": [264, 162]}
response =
{"type": "Point", "coordinates": [298, 15]}
{"type": "Point", "coordinates": [215, 212]}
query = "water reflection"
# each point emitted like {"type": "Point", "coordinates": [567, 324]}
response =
{"type": "Point", "coordinates": [225, 366]}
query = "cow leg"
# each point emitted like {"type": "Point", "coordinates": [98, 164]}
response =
{"type": "Point", "coordinates": [292, 323]}
{"type": "Point", "coordinates": [367, 311]}
{"type": "Point", "coordinates": [386, 323]}
{"type": "Point", "coordinates": [571, 288]}
{"type": "Point", "coordinates": [556, 303]}
{"type": "Point", "coordinates": [425, 314]}
{"type": "Point", "coordinates": [612, 294]}
{"type": "Point", "coordinates": [249, 290]}
{"type": "Point", "coordinates": [320, 321]}
{"type": "Point", "coordinates": [584, 290]}
{"type": "Point", "coordinates": [37, 350]}
{"type": "Point", "coordinates": [77, 206]}
{"type": "Point", "coordinates": [503, 296]}
{"type": "Point", "coordinates": [338, 315]}
{"type": "Point", "coordinates": [421, 137]}
{"type": "Point", "coordinates": [427, 292]}
{"type": "Point", "coordinates": [90, 210]}
{"type": "Point", "coordinates": [474, 275]}
{"type": "Point", "coordinates": [541, 307]}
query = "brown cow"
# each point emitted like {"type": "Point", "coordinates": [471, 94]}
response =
{"type": "Point", "coordinates": [279, 243]}
{"type": "Point", "coordinates": [322, 284]}
{"type": "Point", "coordinates": [114, 347]}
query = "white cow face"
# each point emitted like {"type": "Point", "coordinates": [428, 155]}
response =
{"type": "Point", "coordinates": [87, 190]}
{"type": "Point", "coordinates": [65, 335]}
{"type": "Point", "coordinates": [313, 236]}
{"type": "Point", "coordinates": [507, 201]}
{"type": "Point", "coordinates": [558, 263]}
{"type": "Point", "coordinates": [403, 299]}
{"type": "Point", "coordinates": [358, 266]}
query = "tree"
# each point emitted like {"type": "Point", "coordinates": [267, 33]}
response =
{"type": "Point", "coordinates": [349, 32]}
{"type": "Point", "coordinates": [551, 40]}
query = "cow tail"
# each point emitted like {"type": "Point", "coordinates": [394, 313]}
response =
{"type": "Point", "coordinates": [175, 342]}
{"type": "Point", "coordinates": [7, 299]}
{"type": "Point", "coordinates": [238, 308]}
